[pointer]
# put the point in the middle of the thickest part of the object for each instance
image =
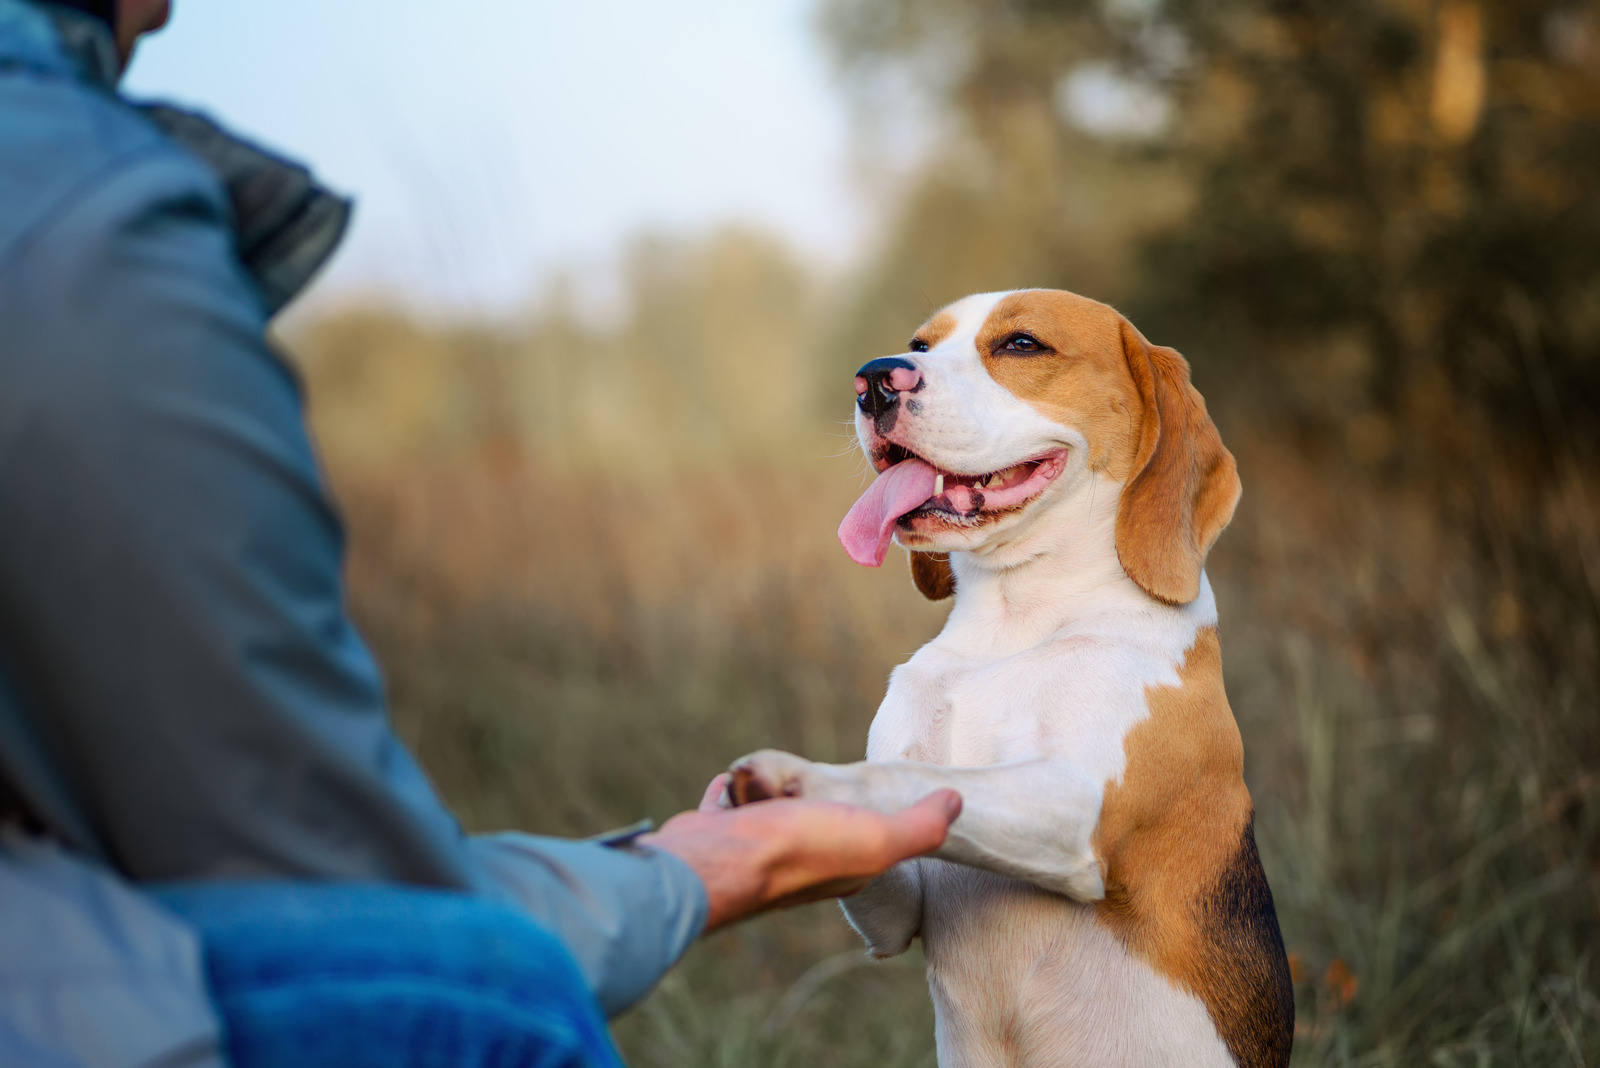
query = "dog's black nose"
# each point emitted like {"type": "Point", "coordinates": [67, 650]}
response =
{"type": "Point", "coordinates": [880, 382]}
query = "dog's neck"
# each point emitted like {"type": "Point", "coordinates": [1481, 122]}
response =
{"type": "Point", "coordinates": [1060, 570]}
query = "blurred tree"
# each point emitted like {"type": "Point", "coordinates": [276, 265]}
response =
{"type": "Point", "coordinates": [704, 353]}
{"type": "Point", "coordinates": [1380, 219]}
{"type": "Point", "coordinates": [1009, 194]}
{"type": "Point", "coordinates": [1396, 239]}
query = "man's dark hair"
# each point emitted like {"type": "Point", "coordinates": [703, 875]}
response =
{"type": "Point", "coordinates": [104, 10]}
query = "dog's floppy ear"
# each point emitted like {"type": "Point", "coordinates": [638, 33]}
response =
{"type": "Point", "coordinates": [931, 572]}
{"type": "Point", "coordinates": [1184, 483]}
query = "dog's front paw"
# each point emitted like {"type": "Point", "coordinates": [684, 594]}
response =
{"type": "Point", "coordinates": [766, 774]}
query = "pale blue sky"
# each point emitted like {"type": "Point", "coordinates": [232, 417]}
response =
{"type": "Point", "coordinates": [488, 141]}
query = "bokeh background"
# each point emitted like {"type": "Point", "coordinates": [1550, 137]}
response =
{"type": "Point", "coordinates": [582, 384]}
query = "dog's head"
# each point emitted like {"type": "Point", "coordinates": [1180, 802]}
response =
{"type": "Point", "coordinates": [1009, 408]}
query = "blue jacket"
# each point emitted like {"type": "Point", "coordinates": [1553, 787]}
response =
{"type": "Point", "coordinates": [182, 696]}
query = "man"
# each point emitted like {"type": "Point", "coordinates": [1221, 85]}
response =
{"type": "Point", "coordinates": [204, 814]}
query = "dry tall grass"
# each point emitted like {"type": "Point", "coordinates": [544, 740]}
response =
{"type": "Point", "coordinates": [569, 651]}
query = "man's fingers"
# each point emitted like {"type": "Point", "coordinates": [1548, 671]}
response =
{"type": "Point", "coordinates": [922, 827]}
{"type": "Point", "coordinates": [712, 801]}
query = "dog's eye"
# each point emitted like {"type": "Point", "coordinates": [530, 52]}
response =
{"type": "Point", "coordinates": [1021, 343]}
{"type": "Point", "coordinates": [917, 345]}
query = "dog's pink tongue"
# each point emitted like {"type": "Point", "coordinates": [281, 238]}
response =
{"type": "Point", "coordinates": [869, 526]}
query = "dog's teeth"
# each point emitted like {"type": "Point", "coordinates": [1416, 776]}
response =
{"type": "Point", "coordinates": [999, 478]}
{"type": "Point", "coordinates": [938, 485]}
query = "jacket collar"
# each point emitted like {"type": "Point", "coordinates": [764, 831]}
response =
{"type": "Point", "coordinates": [285, 223]}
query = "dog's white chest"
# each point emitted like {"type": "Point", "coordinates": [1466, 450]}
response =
{"type": "Point", "coordinates": [939, 711]}
{"type": "Point", "coordinates": [1020, 976]}
{"type": "Point", "coordinates": [1076, 693]}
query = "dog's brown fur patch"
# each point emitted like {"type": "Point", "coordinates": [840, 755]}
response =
{"type": "Point", "coordinates": [1184, 886]}
{"type": "Point", "coordinates": [932, 575]}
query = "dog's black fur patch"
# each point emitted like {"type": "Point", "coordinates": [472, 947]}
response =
{"type": "Point", "coordinates": [1251, 995]}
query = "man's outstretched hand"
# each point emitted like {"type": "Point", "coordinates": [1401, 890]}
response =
{"type": "Point", "coordinates": [773, 854]}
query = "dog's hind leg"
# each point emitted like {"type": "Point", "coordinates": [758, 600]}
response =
{"type": "Point", "coordinates": [887, 914]}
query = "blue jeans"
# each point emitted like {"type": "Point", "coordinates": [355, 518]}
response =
{"type": "Point", "coordinates": [328, 975]}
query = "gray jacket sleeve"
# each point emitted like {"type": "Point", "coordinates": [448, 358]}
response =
{"type": "Point", "coordinates": [172, 630]}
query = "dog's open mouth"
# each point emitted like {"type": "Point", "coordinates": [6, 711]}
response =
{"type": "Point", "coordinates": [911, 493]}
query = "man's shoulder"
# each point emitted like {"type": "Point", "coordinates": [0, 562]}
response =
{"type": "Point", "coordinates": [62, 141]}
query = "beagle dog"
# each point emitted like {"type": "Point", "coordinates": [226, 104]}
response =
{"type": "Point", "coordinates": [1100, 901]}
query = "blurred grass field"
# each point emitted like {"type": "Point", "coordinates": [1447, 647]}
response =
{"type": "Point", "coordinates": [570, 645]}
{"type": "Point", "coordinates": [594, 547]}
